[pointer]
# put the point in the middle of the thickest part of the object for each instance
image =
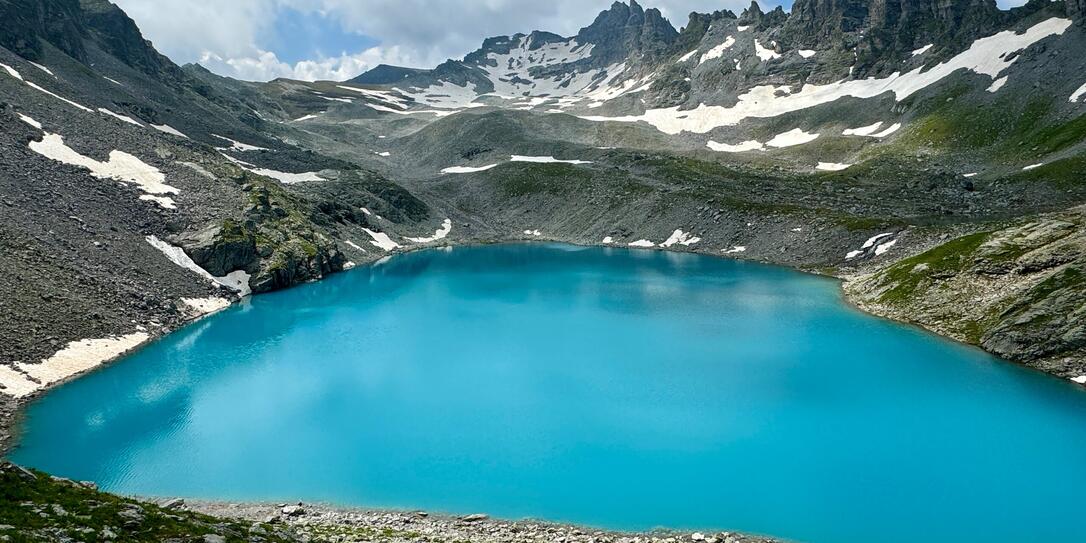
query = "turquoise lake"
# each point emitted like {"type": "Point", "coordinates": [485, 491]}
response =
{"type": "Point", "coordinates": [615, 388]}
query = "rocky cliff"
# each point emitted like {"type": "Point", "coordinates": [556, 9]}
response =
{"type": "Point", "coordinates": [1019, 291]}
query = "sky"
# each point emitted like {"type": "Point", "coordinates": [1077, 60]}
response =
{"type": "Point", "coordinates": [260, 40]}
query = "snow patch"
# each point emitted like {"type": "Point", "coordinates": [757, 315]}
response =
{"type": "Point", "coordinates": [77, 357]}
{"type": "Point", "coordinates": [734, 250]}
{"type": "Point", "coordinates": [885, 247]}
{"type": "Point", "coordinates": [687, 56]}
{"type": "Point", "coordinates": [642, 243]}
{"type": "Point", "coordinates": [239, 146]}
{"type": "Point", "coordinates": [680, 237]}
{"type": "Point", "coordinates": [446, 227]}
{"type": "Point", "coordinates": [1033, 166]}
{"type": "Point", "coordinates": [12, 71]}
{"type": "Point", "coordinates": [807, 53]}
{"type": "Point", "coordinates": [168, 129]}
{"type": "Point", "coordinates": [164, 202]}
{"type": "Point", "coordinates": [381, 240]}
{"type": "Point", "coordinates": [121, 166]}
{"type": "Point", "coordinates": [922, 50]}
{"type": "Point", "coordinates": [1080, 379]}
{"type": "Point", "coordinates": [382, 153]}
{"type": "Point", "coordinates": [893, 128]}
{"type": "Point", "coordinates": [793, 137]}
{"type": "Point", "coordinates": [236, 280]}
{"type": "Point", "coordinates": [863, 130]}
{"type": "Point", "coordinates": [832, 166]}
{"type": "Point", "coordinates": [30, 121]}
{"type": "Point", "coordinates": [118, 116]}
{"type": "Point", "coordinates": [42, 68]}
{"type": "Point", "coordinates": [997, 84]}
{"type": "Point", "coordinates": [608, 240]}
{"type": "Point", "coordinates": [468, 169]}
{"type": "Point", "coordinates": [717, 51]}
{"type": "Point", "coordinates": [765, 53]}
{"type": "Point", "coordinates": [354, 245]}
{"type": "Point", "coordinates": [546, 160]}
{"type": "Point", "coordinates": [533, 233]}
{"type": "Point", "coordinates": [58, 97]}
{"type": "Point", "coordinates": [305, 118]}
{"type": "Point", "coordinates": [749, 145]}
{"type": "Point", "coordinates": [1075, 96]}
{"type": "Point", "coordinates": [206, 306]}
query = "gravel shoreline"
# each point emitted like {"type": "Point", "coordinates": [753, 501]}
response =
{"type": "Point", "coordinates": [330, 523]}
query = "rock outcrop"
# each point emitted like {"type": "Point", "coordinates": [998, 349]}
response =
{"type": "Point", "coordinates": [628, 30]}
{"type": "Point", "coordinates": [275, 244]}
{"type": "Point", "coordinates": [1019, 291]}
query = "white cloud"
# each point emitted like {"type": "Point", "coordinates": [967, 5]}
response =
{"type": "Point", "coordinates": [225, 36]}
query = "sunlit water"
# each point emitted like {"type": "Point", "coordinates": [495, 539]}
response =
{"type": "Point", "coordinates": [617, 388]}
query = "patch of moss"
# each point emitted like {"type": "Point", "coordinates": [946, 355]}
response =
{"type": "Point", "coordinates": [38, 507]}
{"type": "Point", "coordinates": [908, 275]}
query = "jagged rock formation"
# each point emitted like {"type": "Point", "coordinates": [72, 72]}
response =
{"type": "Point", "coordinates": [626, 31]}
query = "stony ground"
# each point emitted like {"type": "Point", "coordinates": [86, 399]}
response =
{"type": "Point", "coordinates": [324, 523]}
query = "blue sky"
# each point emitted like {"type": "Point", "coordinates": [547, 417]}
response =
{"type": "Point", "coordinates": [338, 39]}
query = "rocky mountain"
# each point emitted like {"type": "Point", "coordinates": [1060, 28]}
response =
{"type": "Point", "coordinates": [844, 136]}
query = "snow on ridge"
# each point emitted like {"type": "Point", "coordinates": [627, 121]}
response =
{"type": "Point", "coordinates": [986, 56]}
{"type": "Point", "coordinates": [446, 227]}
{"type": "Point", "coordinates": [120, 117]}
{"type": "Point", "coordinates": [468, 169]}
{"type": "Point", "coordinates": [717, 51]}
{"type": "Point", "coordinates": [381, 240]}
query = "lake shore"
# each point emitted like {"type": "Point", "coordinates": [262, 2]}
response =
{"type": "Point", "coordinates": [385, 525]}
{"type": "Point", "coordinates": [332, 523]}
